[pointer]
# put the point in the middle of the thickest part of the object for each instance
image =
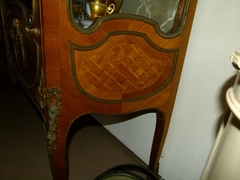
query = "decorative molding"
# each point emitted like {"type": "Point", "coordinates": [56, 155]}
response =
{"type": "Point", "coordinates": [53, 103]}
{"type": "Point", "coordinates": [41, 90]}
{"type": "Point", "coordinates": [40, 95]}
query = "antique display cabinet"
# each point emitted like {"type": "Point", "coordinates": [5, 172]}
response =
{"type": "Point", "coordinates": [77, 57]}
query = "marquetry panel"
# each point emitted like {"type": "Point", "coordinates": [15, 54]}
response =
{"type": "Point", "coordinates": [122, 68]}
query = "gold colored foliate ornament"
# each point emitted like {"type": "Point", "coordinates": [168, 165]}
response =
{"type": "Point", "coordinates": [17, 34]}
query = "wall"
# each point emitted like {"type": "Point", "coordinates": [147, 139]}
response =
{"type": "Point", "coordinates": [200, 103]}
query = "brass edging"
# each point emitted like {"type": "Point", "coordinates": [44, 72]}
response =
{"type": "Point", "coordinates": [98, 21]}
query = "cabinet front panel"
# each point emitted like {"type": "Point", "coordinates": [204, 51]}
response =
{"type": "Point", "coordinates": [24, 39]}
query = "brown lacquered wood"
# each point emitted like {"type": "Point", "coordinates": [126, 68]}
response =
{"type": "Point", "coordinates": [122, 65]}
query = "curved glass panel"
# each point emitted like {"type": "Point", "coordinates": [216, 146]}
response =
{"type": "Point", "coordinates": [167, 13]}
{"type": "Point", "coordinates": [161, 11]}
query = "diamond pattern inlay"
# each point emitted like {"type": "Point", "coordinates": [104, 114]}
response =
{"type": "Point", "coordinates": [124, 66]}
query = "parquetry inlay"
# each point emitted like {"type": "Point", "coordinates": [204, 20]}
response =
{"type": "Point", "coordinates": [114, 70]}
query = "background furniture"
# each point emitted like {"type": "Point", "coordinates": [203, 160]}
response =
{"type": "Point", "coordinates": [122, 64]}
{"type": "Point", "coordinates": [223, 162]}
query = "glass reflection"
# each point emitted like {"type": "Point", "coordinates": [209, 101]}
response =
{"type": "Point", "coordinates": [85, 11]}
{"type": "Point", "coordinates": [161, 11]}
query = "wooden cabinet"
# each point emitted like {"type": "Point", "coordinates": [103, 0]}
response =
{"type": "Point", "coordinates": [124, 63]}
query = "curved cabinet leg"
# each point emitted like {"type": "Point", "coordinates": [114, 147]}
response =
{"type": "Point", "coordinates": [58, 160]}
{"type": "Point", "coordinates": [158, 142]}
{"type": "Point", "coordinates": [58, 151]}
{"type": "Point", "coordinates": [57, 131]}
{"type": "Point", "coordinates": [58, 146]}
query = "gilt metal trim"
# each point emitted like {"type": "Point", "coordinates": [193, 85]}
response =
{"type": "Point", "coordinates": [54, 103]}
{"type": "Point", "coordinates": [16, 33]}
{"type": "Point", "coordinates": [22, 29]}
{"type": "Point", "coordinates": [40, 92]}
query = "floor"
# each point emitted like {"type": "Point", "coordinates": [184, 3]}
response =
{"type": "Point", "coordinates": [23, 152]}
